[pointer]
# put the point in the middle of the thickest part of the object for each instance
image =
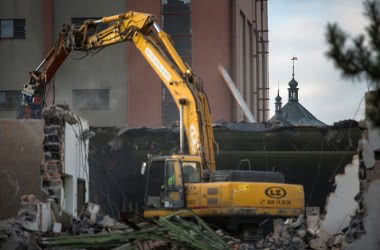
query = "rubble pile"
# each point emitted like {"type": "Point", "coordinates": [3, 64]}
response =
{"type": "Point", "coordinates": [171, 232]}
{"type": "Point", "coordinates": [288, 235]}
{"type": "Point", "coordinates": [306, 233]}
{"type": "Point", "coordinates": [93, 230]}
{"type": "Point", "coordinates": [13, 236]}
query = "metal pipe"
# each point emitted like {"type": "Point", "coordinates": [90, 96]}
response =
{"type": "Point", "coordinates": [181, 128]}
{"type": "Point", "coordinates": [157, 27]}
{"type": "Point", "coordinates": [235, 92]}
{"type": "Point", "coordinates": [39, 66]}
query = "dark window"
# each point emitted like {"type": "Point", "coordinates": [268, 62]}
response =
{"type": "Point", "coordinates": [183, 46]}
{"type": "Point", "coordinates": [191, 172]}
{"type": "Point", "coordinates": [91, 99]}
{"type": "Point", "coordinates": [156, 178]}
{"type": "Point", "coordinates": [176, 21]}
{"type": "Point", "coordinates": [176, 6]}
{"type": "Point", "coordinates": [10, 99]}
{"type": "Point", "coordinates": [78, 21]}
{"type": "Point", "coordinates": [12, 29]}
{"type": "Point", "coordinates": [177, 24]}
{"type": "Point", "coordinates": [81, 194]}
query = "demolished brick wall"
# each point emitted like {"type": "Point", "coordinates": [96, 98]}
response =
{"type": "Point", "coordinates": [365, 226]}
{"type": "Point", "coordinates": [52, 166]}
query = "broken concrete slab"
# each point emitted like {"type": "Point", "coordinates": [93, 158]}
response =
{"type": "Point", "coordinates": [341, 204]}
{"type": "Point", "coordinates": [373, 136]}
{"type": "Point", "coordinates": [367, 154]}
{"type": "Point", "coordinates": [36, 216]}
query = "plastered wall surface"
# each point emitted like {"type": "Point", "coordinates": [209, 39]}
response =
{"type": "Point", "coordinates": [76, 164]}
{"type": "Point", "coordinates": [20, 159]}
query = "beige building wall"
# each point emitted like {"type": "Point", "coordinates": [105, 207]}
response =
{"type": "Point", "coordinates": [19, 56]}
{"type": "Point", "coordinates": [261, 58]}
{"type": "Point", "coordinates": [250, 56]}
{"type": "Point", "coordinates": [105, 70]}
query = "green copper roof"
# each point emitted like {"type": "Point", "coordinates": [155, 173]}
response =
{"type": "Point", "coordinates": [297, 115]}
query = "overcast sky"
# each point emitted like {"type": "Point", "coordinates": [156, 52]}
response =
{"type": "Point", "coordinates": [298, 27]}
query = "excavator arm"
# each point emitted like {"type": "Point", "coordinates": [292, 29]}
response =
{"type": "Point", "coordinates": [33, 92]}
{"type": "Point", "coordinates": [156, 47]}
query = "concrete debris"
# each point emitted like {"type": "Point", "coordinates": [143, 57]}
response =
{"type": "Point", "coordinates": [92, 221]}
{"type": "Point", "coordinates": [13, 236]}
{"type": "Point", "coordinates": [59, 113]}
{"type": "Point", "coordinates": [301, 233]}
{"type": "Point", "coordinates": [36, 216]}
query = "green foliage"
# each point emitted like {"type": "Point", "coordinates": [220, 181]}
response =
{"type": "Point", "coordinates": [361, 59]}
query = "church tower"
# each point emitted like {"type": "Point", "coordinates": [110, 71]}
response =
{"type": "Point", "coordinates": [293, 113]}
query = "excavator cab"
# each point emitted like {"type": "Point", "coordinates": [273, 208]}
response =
{"type": "Point", "coordinates": [166, 180]}
{"type": "Point", "coordinates": [164, 184]}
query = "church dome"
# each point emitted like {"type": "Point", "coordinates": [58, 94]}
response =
{"type": "Point", "coordinates": [278, 98]}
{"type": "Point", "coordinates": [293, 83]}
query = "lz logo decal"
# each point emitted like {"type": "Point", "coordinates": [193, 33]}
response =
{"type": "Point", "coordinates": [275, 192]}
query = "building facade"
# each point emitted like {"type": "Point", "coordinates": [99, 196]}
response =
{"type": "Point", "coordinates": [117, 87]}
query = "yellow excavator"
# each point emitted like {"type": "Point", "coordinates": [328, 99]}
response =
{"type": "Point", "coordinates": [235, 200]}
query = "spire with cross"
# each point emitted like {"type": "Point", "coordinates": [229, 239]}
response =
{"type": "Point", "coordinates": [278, 103]}
{"type": "Point", "coordinates": [293, 59]}
{"type": "Point", "coordinates": [293, 90]}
